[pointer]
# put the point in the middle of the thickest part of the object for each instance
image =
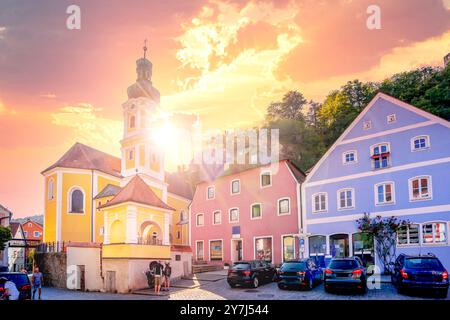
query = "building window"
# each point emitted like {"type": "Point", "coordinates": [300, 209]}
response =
{"type": "Point", "coordinates": [384, 193]}
{"type": "Point", "coordinates": [130, 154]}
{"type": "Point", "coordinates": [420, 188]}
{"type": "Point", "coordinates": [434, 232]}
{"type": "Point", "coordinates": [211, 193]}
{"type": "Point", "coordinates": [367, 125]}
{"type": "Point", "coordinates": [408, 235]}
{"type": "Point", "coordinates": [132, 121]}
{"type": "Point", "coordinates": [380, 156]}
{"type": "Point", "coordinates": [215, 250]}
{"type": "Point", "coordinates": [25, 233]}
{"type": "Point", "coordinates": [320, 202]}
{"type": "Point", "coordinates": [178, 234]}
{"type": "Point", "coordinates": [234, 215]}
{"type": "Point", "coordinates": [36, 234]}
{"type": "Point", "coordinates": [50, 189]}
{"type": "Point", "coordinates": [346, 199]}
{"type": "Point", "coordinates": [102, 231]}
{"type": "Point", "coordinates": [263, 248]}
{"type": "Point", "coordinates": [256, 212]}
{"type": "Point", "coordinates": [420, 143]}
{"type": "Point", "coordinates": [235, 187]}
{"type": "Point", "coordinates": [288, 248]}
{"type": "Point", "coordinates": [349, 157]}
{"type": "Point", "coordinates": [266, 179]}
{"type": "Point", "coordinates": [200, 220]}
{"type": "Point", "coordinates": [284, 206]}
{"type": "Point", "coordinates": [391, 118]}
{"type": "Point", "coordinates": [76, 201]}
{"type": "Point", "coordinates": [217, 217]}
{"type": "Point", "coordinates": [183, 216]}
{"type": "Point", "coordinates": [317, 245]}
{"type": "Point", "coordinates": [199, 251]}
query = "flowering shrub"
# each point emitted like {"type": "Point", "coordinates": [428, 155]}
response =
{"type": "Point", "coordinates": [384, 231]}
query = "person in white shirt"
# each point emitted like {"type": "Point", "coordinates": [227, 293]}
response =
{"type": "Point", "coordinates": [10, 289]}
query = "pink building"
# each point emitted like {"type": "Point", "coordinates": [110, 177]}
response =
{"type": "Point", "coordinates": [253, 214]}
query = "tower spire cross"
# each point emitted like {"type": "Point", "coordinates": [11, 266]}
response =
{"type": "Point", "coordinates": [145, 47]}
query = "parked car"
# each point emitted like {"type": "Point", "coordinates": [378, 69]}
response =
{"type": "Point", "coordinates": [420, 272]}
{"type": "Point", "coordinates": [252, 273]}
{"type": "Point", "coordinates": [303, 273]}
{"type": "Point", "coordinates": [21, 281]}
{"type": "Point", "coordinates": [4, 269]}
{"type": "Point", "coordinates": [345, 273]}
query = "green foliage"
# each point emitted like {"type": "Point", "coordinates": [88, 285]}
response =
{"type": "Point", "coordinates": [5, 236]}
{"type": "Point", "coordinates": [308, 129]}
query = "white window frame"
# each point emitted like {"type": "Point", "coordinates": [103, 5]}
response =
{"type": "Point", "coordinates": [355, 155]}
{"type": "Point", "coordinates": [229, 215]}
{"type": "Point", "coordinates": [231, 187]}
{"type": "Point", "coordinates": [314, 202]}
{"type": "Point", "coordinates": [427, 143]}
{"type": "Point", "coordinates": [251, 211]}
{"type": "Point", "coordinates": [207, 192]}
{"type": "Point", "coordinates": [271, 245]}
{"type": "Point", "coordinates": [430, 188]}
{"type": "Point", "coordinates": [36, 234]}
{"type": "Point", "coordinates": [392, 202]}
{"type": "Point", "coordinates": [264, 172]}
{"type": "Point", "coordinates": [434, 243]}
{"type": "Point", "coordinates": [51, 189]}
{"type": "Point", "coordinates": [213, 216]}
{"type": "Point", "coordinates": [196, 220]}
{"type": "Point", "coordinates": [209, 249]}
{"type": "Point", "coordinates": [278, 206]}
{"type": "Point", "coordinates": [372, 161]}
{"type": "Point", "coordinates": [339, 199]}
{"type": "Point", "coordinates": [408, 239]}
{"type": "Point", "coordinates": [69, 200]}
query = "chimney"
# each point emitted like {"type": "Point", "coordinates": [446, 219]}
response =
{"type": "Point", "coordinates": [447, 59]}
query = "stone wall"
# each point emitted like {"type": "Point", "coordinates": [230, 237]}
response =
{"type": "Point", "coordinates": [54, 268]}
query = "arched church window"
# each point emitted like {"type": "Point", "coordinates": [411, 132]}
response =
{"type": "Point", "coordinates": [132, 121]}
{"type": "Point", "coordinates": [76, 203]}
{"type": "Point", "coordinates": [50, 188]}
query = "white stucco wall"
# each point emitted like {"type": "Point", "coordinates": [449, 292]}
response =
{"type": "Point", "coordinates": [90, 258]}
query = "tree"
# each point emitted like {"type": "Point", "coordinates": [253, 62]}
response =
{"type": "Point", "coordinates": [5, 236]}
{"type": "Point", "coordinates": [292, 106]}
{"type": "Point", "coordinates": [384, 231]}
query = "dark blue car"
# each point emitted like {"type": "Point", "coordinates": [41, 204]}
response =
{"type": "Point", "coordinates": [302, 273]}
{"type": "Point", "coordinates": [420, 272]}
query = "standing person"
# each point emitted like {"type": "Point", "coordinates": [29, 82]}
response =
{"type": "Point", "coordinates": [167, 273]}
{"type": "Point", "coordinates": [23, 270]}
{"type": "Point", "coordinates": [10, 289]}
{"type": "Point", "coordinates": [158, 272]}
{"type": "Point", "coordinates": [37, 280]}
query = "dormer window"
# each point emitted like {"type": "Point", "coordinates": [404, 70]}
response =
{"type": "Point", "coordinates": [381, 156]}
{"type": "Point", "coordinates": [210, 193]}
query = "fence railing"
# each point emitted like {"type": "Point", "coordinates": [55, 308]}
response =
{"type": "Point", "coordinates": [51, 247]}
{"type": "Point", "coordinates": [150, 242]}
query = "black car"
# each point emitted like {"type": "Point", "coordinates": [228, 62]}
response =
{"type": "Point", "coordinates": [21, 281]}
{"type": "Point", "coordinates": [420, 272]}
{"type": "Point", "coordinates": [4, 269]}
{"type": "Point", "coordinates": [303, 273]}
{"type": "Point", "coordinates": [252, 273]}
{"type": "Point", "coordinates": [345, 273]}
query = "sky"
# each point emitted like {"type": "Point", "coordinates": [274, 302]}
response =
{"type": "Point", "coordinates": [224, 61]}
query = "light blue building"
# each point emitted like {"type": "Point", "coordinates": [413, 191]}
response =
{"type": "Point", "coordinates": [393, 160]}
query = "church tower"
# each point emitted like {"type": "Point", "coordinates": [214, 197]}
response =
{"type": "Point", "coordinates": [140, 152]}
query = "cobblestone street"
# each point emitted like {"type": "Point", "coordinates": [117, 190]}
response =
{"type": "Point", "coordinates": [219, 290]}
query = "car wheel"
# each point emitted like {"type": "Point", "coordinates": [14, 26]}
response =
{"type": "Point", "coordinates": [280, 286]}
{"type": "Point", "coordinates": [232, 285]}
{"type": "Point", "coordinates": [255, 282]}
{"type": "Point", "coordinates": [328, 290]}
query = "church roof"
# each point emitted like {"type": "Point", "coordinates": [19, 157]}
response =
{"type": "Point", "coordinates": [108, 191]}
{"type": "Point", "coordinates": [178, 185]}
{"type": "Point", "coordinates": [80, 156]}
{"type": "Point", "coordinates": [137, 191]}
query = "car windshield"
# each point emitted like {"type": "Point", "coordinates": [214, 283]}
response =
{"type": "Point", "coordinates": [423, 263]}
{"type": "Point", "coordinates": [293, 266]}
{"type": "Point", "coordinates": [18, 279]}
{"type": "Point", "coordinates": [343, 264]}
{"type": "Point", "coordinates": [241, 266]}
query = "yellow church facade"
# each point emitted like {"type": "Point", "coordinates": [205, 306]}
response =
{"type": "Point", "coordinates": [129, 204]}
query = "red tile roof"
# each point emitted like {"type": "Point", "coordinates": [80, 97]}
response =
{"type": "Point", "coordinates": [137, 191]}
{"type": "Point", "coordinates": [14, 227]}
{"type": "Point", "coordinates": [80, 156]}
